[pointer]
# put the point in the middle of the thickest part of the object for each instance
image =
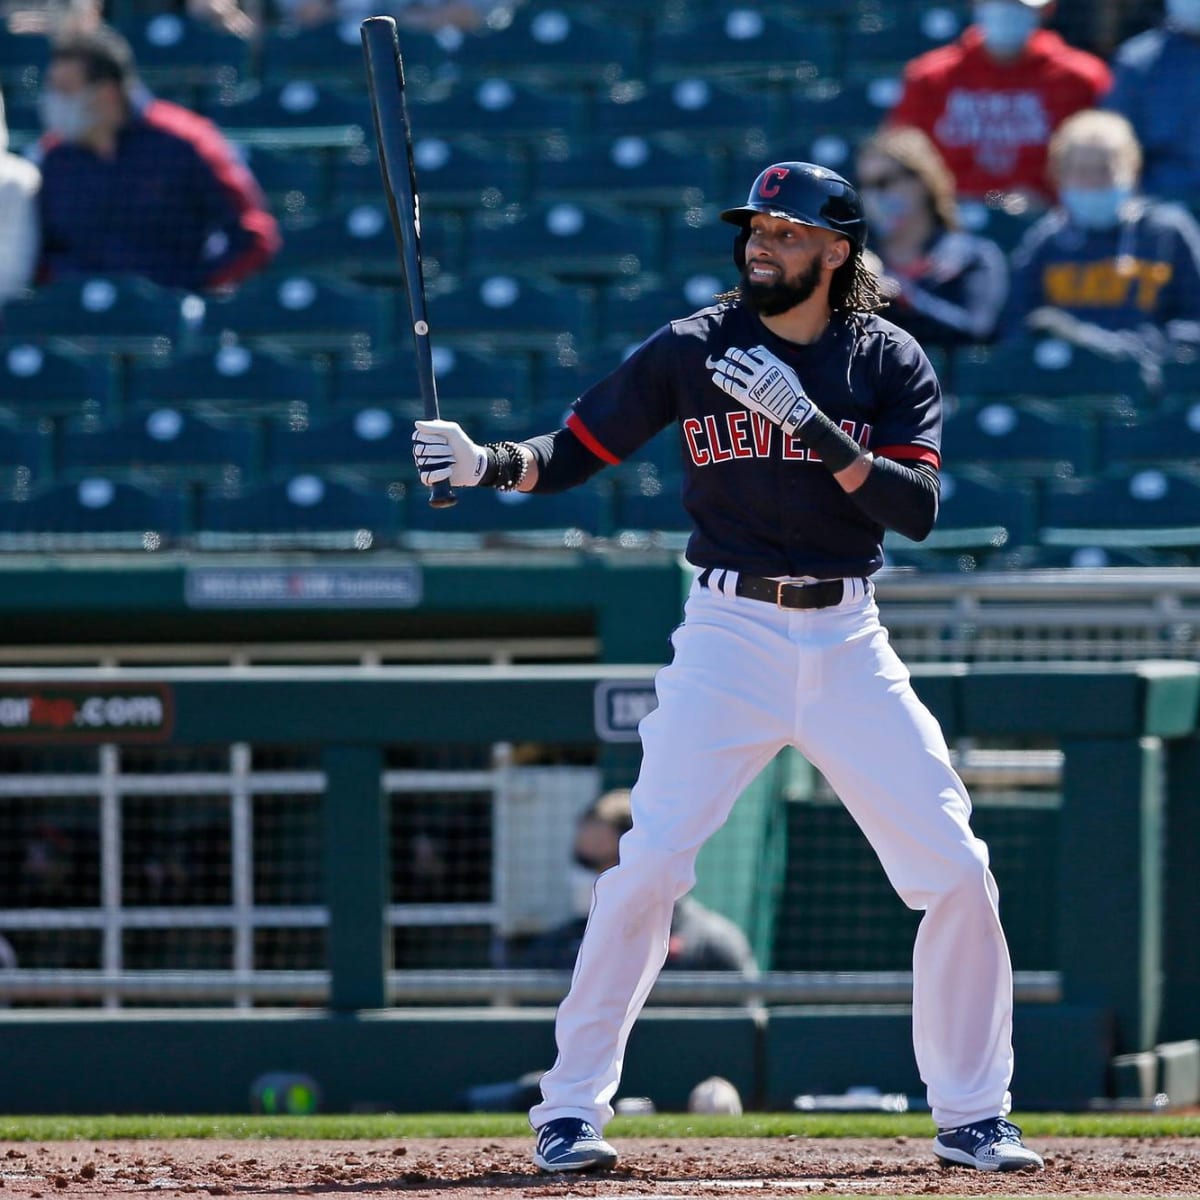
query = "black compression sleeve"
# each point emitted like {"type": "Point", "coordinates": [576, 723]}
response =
{"type": "Point", "coordinates": [901, 498]}
{"type": "Point", "coordinates": [562, 459]}
{"type": "Point", "coordinates": [835, 446]}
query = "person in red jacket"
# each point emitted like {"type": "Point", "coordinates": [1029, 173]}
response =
{"type": "Point", "coordinates": [136, 185]}
{"type": "Point", "coordinates": [991, 100]}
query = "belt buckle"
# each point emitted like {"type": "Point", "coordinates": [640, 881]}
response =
{"type": "Point", "coordinates": [779, 586]}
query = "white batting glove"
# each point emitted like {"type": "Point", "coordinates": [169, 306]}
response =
{"type": "Point", "coordinates": [765, 384]}
{"type": "Point", "coordinates": [442, 450]}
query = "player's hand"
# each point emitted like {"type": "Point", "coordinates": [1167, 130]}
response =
{"type": "Point", "coordinates": [765, 384]}
{"type": "Point", "coordinates": [442, 450]}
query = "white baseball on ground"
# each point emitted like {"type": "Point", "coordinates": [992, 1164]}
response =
{"type": "Point", "coordinates": [715, 1095]}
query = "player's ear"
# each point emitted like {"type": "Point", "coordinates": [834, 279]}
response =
{"type": "Point", "coordinates": [836, 253]}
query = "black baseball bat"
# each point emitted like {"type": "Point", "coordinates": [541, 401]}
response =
{"type": "Point", "coordinates": [393, 137]}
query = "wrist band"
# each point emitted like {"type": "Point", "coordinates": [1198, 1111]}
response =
{"type": "Point", "coordinates": [507, 466]}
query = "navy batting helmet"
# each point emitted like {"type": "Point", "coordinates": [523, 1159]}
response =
{"type": "Point", "coordinates": [804, 193]}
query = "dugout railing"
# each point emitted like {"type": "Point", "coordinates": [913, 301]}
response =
{"type": "Point", "coordinates": [1125, 733]}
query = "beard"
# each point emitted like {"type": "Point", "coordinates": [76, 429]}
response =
{"type": "Point", "coordinates": [771, 299]}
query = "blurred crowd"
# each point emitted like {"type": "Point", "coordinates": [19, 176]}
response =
{"type": "Point", "coordinates": [1100, 152]}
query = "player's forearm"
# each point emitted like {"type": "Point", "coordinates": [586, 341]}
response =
{"type": "Point", "coordinates": [897, 496]}
{"type": "Point", "coordinates": [558, 461]}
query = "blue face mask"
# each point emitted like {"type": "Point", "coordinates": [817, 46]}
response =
{"type": "Point", "coordinates": [1184, 15]}
{"type": "Point", "coordinates": [1094, 208]}
{"type": "Point", "coordinates": [1006, 26]}
{"type": "Point", "coordinates": [885, 211]}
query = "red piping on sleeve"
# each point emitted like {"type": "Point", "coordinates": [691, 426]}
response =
{"type": "Point", "coordinates": [910, 454]}
{"type": "Point", "coordinates": [585, 435]}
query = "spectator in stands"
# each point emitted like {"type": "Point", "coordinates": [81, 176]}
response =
{"type": "Point", "coordinates": [947, 286]}
{"type": "Point", "coordinates": [991, 100]}
{"type": "Point", "coordinates": [701, 940]}
{"type": "Point", "coordinates": [423, 16]}
{"type": "Point", "coordinates": [132, 184]}
{"type": "Point", "coordinates": [19, 182]}
{"type": "Point", "coordinates": [1156, 85]}
{"type": "Point", "coordinates": [1108, 267]}
{"type": "Point", "coordinates": [55, 17]}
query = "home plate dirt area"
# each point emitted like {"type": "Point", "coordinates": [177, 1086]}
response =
{"type": "Point", "coordinates": [479, 1169]}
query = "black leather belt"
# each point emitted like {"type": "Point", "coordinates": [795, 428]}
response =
{"type": "Point", "coordinates": [785, 595]}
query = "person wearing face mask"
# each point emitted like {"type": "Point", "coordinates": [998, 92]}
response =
{"type": "Point", "coordinates": [19, 183]}
{"type": "Point", "coordinates": [1156, 86]}
{"type": "Point", "coordinates": [991, 100]}
{"type": "Point", "coordinates": [701, 939]}
{"type": "Point", "coordinates": [1108, 267]}
{"type": "Point", "coordinates": [133, 184]}
{"type": "Point", "coordinates": [947, 286]}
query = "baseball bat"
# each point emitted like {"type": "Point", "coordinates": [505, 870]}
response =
{"type": "Point", "coordinates": [393, 138]}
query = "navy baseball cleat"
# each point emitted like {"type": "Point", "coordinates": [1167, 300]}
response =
{"type": "Point", "coordinates": [992, 1145]}
{"type": "Point", "coordinates": [569, 1144]}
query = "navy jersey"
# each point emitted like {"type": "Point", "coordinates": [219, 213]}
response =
{"type": "Point", "coordinates": [762, 503]}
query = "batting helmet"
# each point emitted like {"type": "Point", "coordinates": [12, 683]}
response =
{"type": "Point", "coordinates": [806, 194]}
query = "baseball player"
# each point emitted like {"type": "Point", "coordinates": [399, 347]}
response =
{"type": "Point", "coordinates": [807, 426]}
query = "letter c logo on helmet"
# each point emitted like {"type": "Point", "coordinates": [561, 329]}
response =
{"type": "Point", "coordinates": [769, 181]}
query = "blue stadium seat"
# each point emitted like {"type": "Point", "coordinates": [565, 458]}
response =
{"type": "Point", "coordinates": [976, 514]}
{"type": "Point", "coordinates": [699, 242]}
{"type": "Point", "coordinates": [452, 176]}
{"type": "Point", "coordinates": [1047, 368]}
{"type": "Point", "coordinates": [171, 50]}
{"type": "Point", "coordinates": [1004, 226]}
{"type": "Point", "coordinates": [1018, 440]}
{"type": "Point", "coordinates": [630, 170]}
{"type": "Point", "coordinates": [121, 314]}
{"type": "Point", "coordinates": [38, 381]}
{"type": "Point", "coordinates": [375, 438]}
{"type": "Point", "coordinates": [302, 312]}
{"type": "Point", "coordinates": [26, 453]}
{"type": "Point", "coordinates": [496, 111]}
{"type": "Point", "coordinates": [886, 37]}
{"type": "Point", "coordinates": [705, 115]}
{"type": "Point", "coordinates": [551, 47]}
{"type": "Point", "coordinates": [294, 181]}
{"type": "Point", "coordinates": [233, 379]}
{"type": "Point", "coordinates": [466, 382]}
{"type": "Point", "coordinates": [162, 442]}
{"type": "Point", "coordinates": [98, 513]}
{"type": "Point", "coordinates": [631, 312]}
{"type": "Point", "coordinates": [1165, 439]}
{"type": "Point", "coordinates": [566, 239]}
{"type": "Point", "coordinates": [747, 43]}
{"type": "Point", "coordinates": [1149, 508]}
{"type": "Point", "coordinates": [300, 510]}
{"type": "Point", "coordinates": [649, 499]}
{"type": "Point", "coordinates": [332, 53]}
{"type": "Point", "coordinates": [358, 243]}
{"type": "Point", "coordinates": [295, 115]}
{"type": "Point", "coordinates": [510, 311]}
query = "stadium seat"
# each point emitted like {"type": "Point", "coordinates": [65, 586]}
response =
{"type": "Point", "coordinates": [466, 382]}
{"type": "Point", "coordinates": [376, 438]}
{"type": "Point", "coordinates": [1004, 226]}
{"type": "Point", "coordinates": [332, 53]}
{"type": "Point", "coordinates": [854, 107]}
{"type": "Point", "coordinates": [294, 182]}
{"type": "Point", "coordinates": [886, 37]}
{"type": "Point", "coordinates": [302, 312]}
{"type": "Point", "coordinates": [746, 43]}
{"type": "Point", "coordinates": [650, 500]}
{"type": "Point", "coordinates": [451, 176]}
{"type": "Point", "coordinates": [358, 243]}
{"type": "Point", "coordinates": [299, 510]}
{"type": "Point", "coordinates": [98, 513]}
{"type": "Point", "coordinates": [26, 453]}
{"type": "Point", "coordinates": [565, 239]}
{"type": "Point", "coordinates": [38, 381]}
{"type": "Point", "coordinates": [298, 114]}
{"type": "Point", "coordinates": [1018, 440]}
{"type": "Point", "coordinates": [975, 514]}
{"type": "Point", "coordinates": [497, 112]}
{"type": "Point", "coordinates": [1148, 508]}
{"type": "Point", "coordinates": [631, 312]}
{"type": "Point", "coordinates": [172, 51]}
{"type": "Point", "coordinates": [551, 47]}
{"type": "Point", "coordinates": [699, 242]}
{"type": "Point", "coordinates": [629, 170]}
{"type": "Point", "coordinates": [510, 311]}
{"type": "Point", "coordinates": [232, 379]}
{"type": "Point", "coordinates": [119, 314]}
{"type": "Point", "coordinates": [1165, 439]}
{"type": "Point", "coordinates": [704, 115]}
{"type": "Point", "coordinates": [160, 442]}
{"type": "Point", "coordinates": [1047, 368]}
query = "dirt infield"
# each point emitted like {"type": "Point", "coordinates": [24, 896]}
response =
{"type": "Point", "coordinates": [484, 1169]}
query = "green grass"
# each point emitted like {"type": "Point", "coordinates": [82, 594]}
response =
{"type": "Point", "coordinates": [494, 1125]}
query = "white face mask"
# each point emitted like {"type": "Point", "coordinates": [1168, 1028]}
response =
{"type": "Point", "coordinates": [1006, 26]}
{"type": "Point", "coordinates": [69, 115]}
{"type": "Point", "coordinates": [1184, 15]}
{"type": "Point", "coordinates": [580, 882]}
